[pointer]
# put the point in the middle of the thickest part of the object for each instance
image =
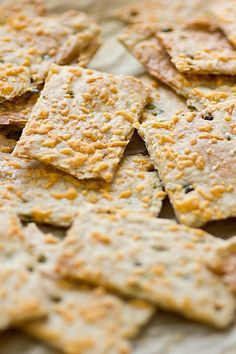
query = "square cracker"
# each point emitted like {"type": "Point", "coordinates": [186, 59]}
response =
{"type": "Point", "coordinates": [21, 295]}
{"type": "Point", "coordinates": [208, 53]}
{"type": "Point", "coordinates": [195, 155]}
{"type": "Point", "coordinates": [141, 40]}
{"type": "Point", "coordinates": [223, 261]}
{"type": "Point", "coordinates": [42, 194]}
{"type": "Point", "coordinates": [31, 44]}
{"type": "Point", "coordinates": [80, 318]}
{"type": "Point", "coordinates": [83, 121]}
{"type": "Point", "coordinates": [224, 14]}
{"type": "Point", "coordinates": [148, 258]}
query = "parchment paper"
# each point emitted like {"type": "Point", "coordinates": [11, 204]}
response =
{"type": "Point", "coordinates": [167, 334]}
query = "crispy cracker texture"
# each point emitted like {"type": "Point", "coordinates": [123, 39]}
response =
{"type": "Point", "coordinates": [142, 41]}
{"type": "Point", "coordinates": [83, 121]}
{"type": "Point", "coordinates": [148, 258]}
{"type": "Point", "coordinates": [21, 293]}
{"type": "Point", "coordinates": [31, 44]}
{"type": "Point", "coordinates": [224, 14]}
{"type": "Point", "coordinates": [38, 193]}
{"type": "Point", "coordinates": [195, 155]}
{"type": "Point", "coordinates": [223, 261]}
{"type": "Point", "coordinates": [81, 318]}
{"type": "Point", "coordinates": [209, 53]}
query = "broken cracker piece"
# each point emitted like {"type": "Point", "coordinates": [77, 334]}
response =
{"type": "Point", "coordinates": [21, 294]}
{"type": "Point", "coordinates": [141, 40]}
{"type": "Point", "coordinates": [223, 261]}
{"type": "Point", "coordinates": [81, 318]}
{"type": "Point", "coordinates": [224, 14]}
{"type": "Point", "coordinates": [83, 121]}
{"type": "Point", "coordinates": [195, 156]}
{"type": "Point", "coordinates": [148, 258]}
{"type": "Point", "coordinates": [209, 53]}
{"type": "Point", "coordinates": [35, 192]}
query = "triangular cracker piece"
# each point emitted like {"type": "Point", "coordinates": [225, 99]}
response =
{"type": "Point", "coordinates": [44, 195]}
{"type": "Point", "coordinates": [80, 318]}
{"type": "Point", "coordinates": [195, 156]}
{"type": "Point", "coordinates": [148, 258]}
{"type": "Point", "coordinates": [21, 295]}
{"type": "Point", "coordinates": [223, 261]}
{"type": "Point", "coordinates": [31, 44]}
{"type": "Point", "coordinates": [83, 121]}
{"type": "Point", "coordinates": [224, 14]}
{"type": "Point", "coordinates": [141, 40]}
{"type": "Point", "coordinates": [208, 53]}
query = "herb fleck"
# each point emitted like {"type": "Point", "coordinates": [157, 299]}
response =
{"type": "Point", "coordinates": [188, 189]}
{"type": "Point", "coordinates": [150, 106]}
{"type": "Point", "coordinates": [208, 117]}
{"type": "Point", "coordinates": [55, 298]}
{"type": "Point", "coordinates": [167, 29]}
{"type": "Point", "coordinates": [42, 258]}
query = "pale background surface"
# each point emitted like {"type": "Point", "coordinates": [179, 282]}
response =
{"type": "Point", "coordinates": [167, 334]}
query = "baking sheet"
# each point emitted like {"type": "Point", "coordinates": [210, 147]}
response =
{"type": "Point", "coordinates": [167, 334]}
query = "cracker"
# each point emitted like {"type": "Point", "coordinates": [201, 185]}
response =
{"type": "Point", "coordinates": [167, 13]}
{"type": "Point", "coordinates": [224, 14]}
{"type": "Point", "coordinates": [195, 156]}
{"type": "Point", "coordinates": [31, 44]}
{"type": "Point", "coordinates": [83, 121]}
{"type": "Point", "coordinates": [88, 53]}
{"type": "Point", "coordinates": [141, 40]}
{"type": "Point", "coordinates": [21, 293]}
{"type": "Point", "coordinates": [223, 261]}
{"type": "Point", "coordinates": [38, 193]}
{"type": "Point", "coordinates": [148, 258]}
{"type": "Point", "coordinates": [17, 112]}
{"type": "Point", "coordinates": [209, 53]}
{"type": "Point", "coordinates": [81, 319]}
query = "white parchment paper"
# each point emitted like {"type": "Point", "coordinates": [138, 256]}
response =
{"type": "Point", "coordinates": [167, 334]}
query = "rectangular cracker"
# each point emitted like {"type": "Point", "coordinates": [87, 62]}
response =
{"type": "Point", "coordinates": [83, 121]}
{"type": "Point", "coordinates": [17, 112]}
{"type": "Point", "coordinates": [208, 53]}
{"type": "Point", "coordinates": [38, 193]}
{"type": "Point", "coordinates": [148, 258]}
{"type": "Point", "coordinates": [195, 156]}
{"type": "Point", "coordinates": [31, 44]}
{"type": "Point", "coordinates": [224, 14]}
{"type": "Point", "coordinates": [142, 42]}
{"type": "Point", "coordinates": [80, 318]}
{"type": "Point", "coordinates": [21, 295]}
{"type": "Point", "coordinates": [166, 13]}
{"type": "Point", "coordinates": [223, 261]}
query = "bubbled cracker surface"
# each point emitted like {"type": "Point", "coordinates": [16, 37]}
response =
{"type": "Point", "coordinates": [83, 121]}
{"type": "Point", "coordinates": [21, 293]}
{"type": "Point", "coordinates": [44, 195]}
{"type": "Point", "coordinates": [80, 318]}
{"type": "Point", "coordinates": [195, 156]}
{"type": "Point", "coordinates": [208, 53]}
{"type": "Point", "coordinates": [148, 258]}
{"type": "Point", "coordinates": [142, 42]}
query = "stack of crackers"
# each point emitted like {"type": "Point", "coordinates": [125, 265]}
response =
{"type": "Point", "coordinates": [64, 130]}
